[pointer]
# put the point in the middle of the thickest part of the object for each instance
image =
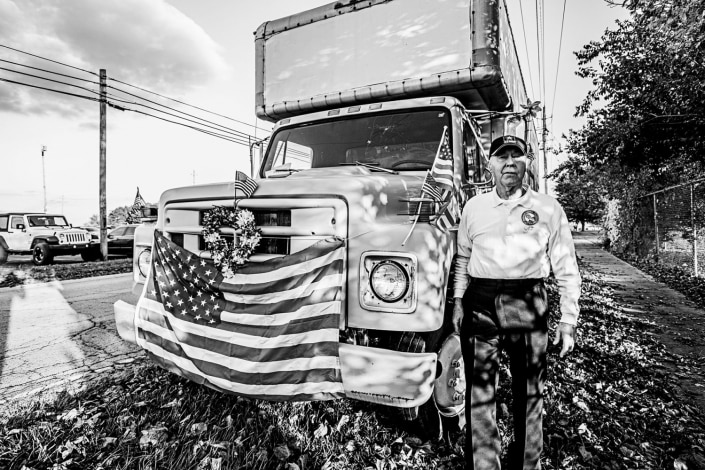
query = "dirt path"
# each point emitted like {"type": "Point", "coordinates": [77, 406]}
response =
{"type": "Point", "coordinates": [678, 323]}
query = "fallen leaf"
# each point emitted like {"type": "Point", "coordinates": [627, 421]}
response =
{"type": "Point", "coordinates": [321, 431]}
{"type": "Point", "coordinates": [282, 452]}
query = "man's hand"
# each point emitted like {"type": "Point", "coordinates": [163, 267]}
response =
{"type": "Point", "coordinates": [564, 333]}
{"type": "Point", "coordinates": [458, 314]}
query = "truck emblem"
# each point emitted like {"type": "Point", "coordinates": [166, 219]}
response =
{"type": "Point", "coordinates": [529, 217]}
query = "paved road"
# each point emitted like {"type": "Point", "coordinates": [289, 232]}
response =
{"type": "Point", "coordinates": [60, 333]}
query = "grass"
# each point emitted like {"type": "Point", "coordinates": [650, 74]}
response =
{"type": "Point", "coordinates": [15, 276]}
{"type": "Point", "coordinates": [611, 405]}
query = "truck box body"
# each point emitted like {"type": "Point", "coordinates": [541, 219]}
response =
{"type": "Point", "coordinates": [352, 52]}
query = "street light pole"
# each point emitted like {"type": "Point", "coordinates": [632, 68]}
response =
{"type": "Point", "coordinates": [44, 179]}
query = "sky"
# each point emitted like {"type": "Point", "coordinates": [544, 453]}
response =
{"type": "Point", "coordinates": [200, 53]}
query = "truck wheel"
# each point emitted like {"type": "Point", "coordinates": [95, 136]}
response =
{"type": "Point", "coordinates": [424, 420]}
{"type": "Point", "coordinates": [41, 254]}
{"type": "Point", "coordinates": [3, 255]}
{"type": "Point", "coordinates": [90, 255]}
{"type": "Point", "coordinates": [445, 410]}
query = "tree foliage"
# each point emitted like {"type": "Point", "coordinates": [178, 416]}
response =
{"type": "Point", "coordinates": [579, 190]}
{"type": "Point", "coordinates": [645, 122]}
{"type": "Point", "coordinates": [118, 216]}
{"type": "Point", "coordinates": [647, 105]}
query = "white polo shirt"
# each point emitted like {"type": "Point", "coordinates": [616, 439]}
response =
{"type": "Point", "coordinates": [521, 238]}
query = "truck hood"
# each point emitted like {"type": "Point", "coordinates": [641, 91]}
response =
{"type": "Point", "coordinates": [383, 193]}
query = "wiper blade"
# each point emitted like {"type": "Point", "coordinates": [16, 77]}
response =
{"type": "Point", "coordinates": [376, 167]}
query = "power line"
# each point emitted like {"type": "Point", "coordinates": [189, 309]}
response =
{"type": "Point", "coordinates": [49, 79]}
{"type": "Point", "coordinates": [214, 134]}
{"type": "Point", "coordinates": [181, 102]}
{"type": "Point", "coordinates": [173, 109]}
{"type": "Point", "coordinates": [538, 46]}
{"type": "Point", "coordinates": [224, 129]}
{"type": "Point", "coordinates": [49, 71]}
{"type": "Point", "coordinates": [50, 89]}
{"type": "Point", "coordinates": [526, 49]}
{"type": "Point", "coordinates": [558, 63]}
{"type": "Point", "coordinates": [236, 139]}
{"type": "Point", "coordinates": [50, 60]}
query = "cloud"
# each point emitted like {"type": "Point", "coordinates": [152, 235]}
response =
{"type": "Point", "coordinates": [146, 43]}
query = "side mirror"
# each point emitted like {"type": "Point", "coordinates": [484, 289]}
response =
{"type": "Point", "coordinates": [21, 227]}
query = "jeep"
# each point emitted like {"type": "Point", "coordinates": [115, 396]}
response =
{"type": "Point", "coordinates": [43, 236]}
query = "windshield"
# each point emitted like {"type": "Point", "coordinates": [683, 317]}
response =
{"type": "Point", "coordinates": [402, 141]}
{"type": "Point", "coordinates": [47, 220]}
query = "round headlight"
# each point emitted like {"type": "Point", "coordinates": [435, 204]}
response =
{"type": "Point", "coordinates": [143, 261]}
{"type": "Point", "coordinates": [389, 281]}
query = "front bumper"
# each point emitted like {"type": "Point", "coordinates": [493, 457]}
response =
{"type": "Point", "coordinates": [374, 375]}
{"type": "Point", "coordinates": [72, 248]}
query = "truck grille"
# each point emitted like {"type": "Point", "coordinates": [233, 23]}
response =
{"type": "Point", "coordinates": [288, 225]}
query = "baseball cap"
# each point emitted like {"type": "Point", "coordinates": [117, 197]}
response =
{"type": "Point", "coordinates": [508, 141]}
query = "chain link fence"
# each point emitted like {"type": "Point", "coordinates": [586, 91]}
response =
{"type": "Point", "coordinates": [671, 226]}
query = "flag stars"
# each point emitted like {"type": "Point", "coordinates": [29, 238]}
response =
{"type": "Point", "coordinates": [180, 303]}
{"type": "Point", "coordinates": [168, 304]}
{"type": "Point", "coordinates": [197, 317]}
{"type": "Point", "coordinates": [203, 263]}
{"type": "Point", "coordinates": [194, 308]}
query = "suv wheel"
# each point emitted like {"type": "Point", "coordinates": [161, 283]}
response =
{"type": "Point", "coordinates": [41, 254]}
{"type": "Point", "coordinates": [3, 255]}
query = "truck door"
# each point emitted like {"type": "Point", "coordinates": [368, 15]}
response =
{"type": "Point", "coordinates": [17, 237]}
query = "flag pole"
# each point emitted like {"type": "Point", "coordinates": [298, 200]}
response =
{"type": "Point", "coordinates": [418, 211]}
{"type": "Point", "coordinates": [423, 191]}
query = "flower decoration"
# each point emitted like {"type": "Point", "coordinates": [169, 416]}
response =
{"type": "Point", "coordinates": [227, 255]}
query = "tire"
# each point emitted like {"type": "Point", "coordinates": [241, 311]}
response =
{"type": "Point", "coordinates": [3, 255]}
{"type": "Point", "coordinates": [424, 420]}
{"type": "Point", "coordinates": [90, 255]}
{"type": "Point", "coordinates": [41, 254]}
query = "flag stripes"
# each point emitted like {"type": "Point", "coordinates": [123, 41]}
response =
{"type": "Point", "coordinates": [275, 339]}
{"type": "Point", "coordinates": [442, 169]}
{"type": "Point", "coordinates": [244, 184]}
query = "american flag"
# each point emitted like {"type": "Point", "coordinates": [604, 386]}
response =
{"type": "Point", "coordinates": [268, 332]}
{"type": "Point", "coordinates": [245, 184]}
{"type": "Point", "coordinates": [431, 188]}
{"type": "Point", "coordinates": [442, 170]}
{"type": "Point", "coordinates": [139, 203]}
{"type": "Point", "coordinates": [448, 214]}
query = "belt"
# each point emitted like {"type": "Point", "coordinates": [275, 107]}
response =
{"type": "Point", "coordinates": [500, 283]}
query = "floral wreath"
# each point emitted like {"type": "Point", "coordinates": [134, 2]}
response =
{"type": "Point", "coordinates": [227, 256]}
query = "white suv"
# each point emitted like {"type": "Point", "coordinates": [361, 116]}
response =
{"type": "Point", "coordinates": [43, 236]}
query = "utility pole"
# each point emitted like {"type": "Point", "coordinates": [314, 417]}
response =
{"type": "Point", "coordinates": [101, 185]}
{"type": "Point", "coordinates": [545, 160]}
{"type": "Point", "coordinates": [44, 179]}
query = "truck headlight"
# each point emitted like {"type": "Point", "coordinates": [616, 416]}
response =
{"type": "Point", "coordinates": [143, 261]}
{"type": "Point", "coordinates": [389, 281]}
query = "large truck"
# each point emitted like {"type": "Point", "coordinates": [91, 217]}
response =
{"type": "Point", "coordinates": [366, 95]}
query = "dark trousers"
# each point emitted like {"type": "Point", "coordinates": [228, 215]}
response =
{"type": "Point", "coordinates": [509, 315]}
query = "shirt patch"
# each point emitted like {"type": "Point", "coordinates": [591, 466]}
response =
{"type": "Point", "coordinates": [529, 217]}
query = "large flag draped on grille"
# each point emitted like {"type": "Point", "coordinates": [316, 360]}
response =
{"type": "Point", "coordinates": [135, 213]}
{"type": "Point", "coordinates": [270, 331]}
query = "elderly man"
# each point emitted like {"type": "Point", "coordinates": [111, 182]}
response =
{"type": "Point", "coordinates": [509, 240]}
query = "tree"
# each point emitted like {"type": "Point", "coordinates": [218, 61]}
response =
{"type": "Point", "coordinates": [646, 108]}
{"type": "Point", "coordinates": [645, 121]}
{"type": "Point", "coordinates": [118, 216]}
{"type": "Point", "coordinates": [579, 190]}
